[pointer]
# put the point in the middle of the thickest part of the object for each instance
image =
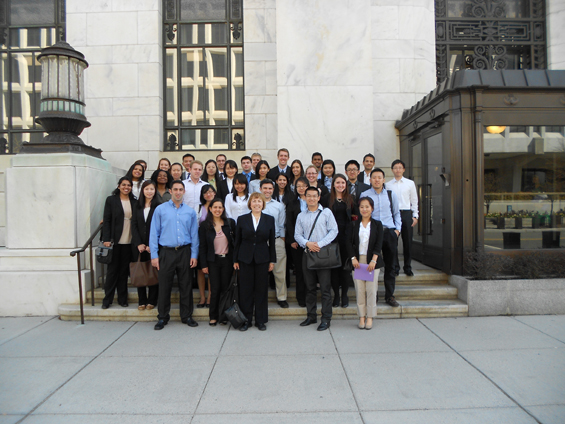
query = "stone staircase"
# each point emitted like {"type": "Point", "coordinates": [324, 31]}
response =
{"type": "Point", "coordinates": [426, 295]}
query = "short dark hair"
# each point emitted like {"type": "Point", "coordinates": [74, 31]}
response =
{"type": "Point", "coordinates": [377, 170]}
{"type": "Point", "coordinates": [245, 158]}
{"type": "Point", "coordinates": [368, 199]}
{"type": "Point", "coordinates": [221, 154]}
{"type": "Point", "coordinates": [368, 155]}
{"type": "Point", "coordinates": [396, 162]}
{"type": "Point", "coordinates": [177, 182]}
{"type": "Point", "coordinates": [352, 162]}
{"type": "Point", "coordinates": [232, 164]}
{"type": "Point", "coordinates": [188, 155]}
{"type": "Point", "coordinates": [317, 154]}
{"type": "Point", "coordinates": [283, 150]}
{"type": "Point", "coordinates": [116, 192]}
{"type": "Point", "coordinates": [266, 181]}
{"type": "Point", "coordinates": [312, 188]}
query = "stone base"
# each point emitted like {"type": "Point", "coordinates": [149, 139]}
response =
{"type": "Point", "coordinates": [511, 297]}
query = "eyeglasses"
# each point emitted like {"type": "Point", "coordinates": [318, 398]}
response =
{"type": "Point", "coordinates": [352, 169]}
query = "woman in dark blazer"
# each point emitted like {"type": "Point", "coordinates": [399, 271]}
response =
{"type": "Point", "coordinates": [225, 186]}
{"type": "Point", "coordinates": [254, 257]}
{"type": "Point", "coordinates": [296, 205]}
{"type": "Point", "coordinates": [141, 227]}
{"type": "Point", "coordinates": [216, 236]}
{"type": "Point", "coordinates": [116, 229]}
{"type": "Point", "coordinates": [365, 246]}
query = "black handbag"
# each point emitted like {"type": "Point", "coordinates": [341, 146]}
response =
{"type": "Point", "coordinates": [328, 257]}
{"type": "Point", "coordinates": [229, 297]}
{"type": "Point", "coordinates": [235, 316]}
{"type": "Point", "coordinates": [104, 254]}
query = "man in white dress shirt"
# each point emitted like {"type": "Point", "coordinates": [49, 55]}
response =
{"type": "Point", "coordinates": [277, 211]}
{"type": "Point", "coordinates": [368, 164]}
{"type": "Point", "coordinates": [193, 186]}
{"type": "Point", "coordinates": [405, 191]}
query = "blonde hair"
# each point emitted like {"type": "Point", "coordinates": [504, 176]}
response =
{"type": "Point", "coordinates": [256, 196]}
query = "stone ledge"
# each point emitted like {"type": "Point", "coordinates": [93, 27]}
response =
{"type": "Point", "coordinates": [511, 297]}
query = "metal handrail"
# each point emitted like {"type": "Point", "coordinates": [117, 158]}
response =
{"type": "Point", "coordinates": [74, 253]}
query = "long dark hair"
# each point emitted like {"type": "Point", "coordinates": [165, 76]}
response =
{"type": "Point", "coordinates": [204, 176]}
{"type": "Point", "coordinates": [300, 180]}
{"type": "Point", "coordinates": [346, 196]}
{"type": "Point", "coordinates": [287, 193]}
{"type": "Point", "coordinates": [130, 172]}
{"type": "Point", "coordinates": [324, 177]}
{"type": "Point", "coordinates": [156, 174]}
{"type": "Point", "coordinates": [116, 191]}
{"type": "Point", "coordinates": [209, 220]}
{"type": "Point", "coordinates": [141, 200]}
{"type": "Point", "coordinates": [232, 164]}
{"type": "Point", "coordinates": [205, 189]}
{"type": "Point", "coordinates": [258, 167]}
{"type": "Point", "coordinates": [242, 179]}
{"type": "Point", "coordinates": [291, 178]}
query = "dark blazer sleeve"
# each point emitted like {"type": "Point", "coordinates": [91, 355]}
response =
{"type": "Point", "coordinates": [291, 216]}
{"type": "Point", "coordinates": [238, 238]}
{"type": "Point", "coordinates": [107, 218]}
{"type": "Point", "coordinates": [376, 243]}
{"type": "Point", "coordinates": [352, 245]}
{"type": "Point", "coordinates": [137, 228]}
{"type": "Point", "coordinates": [203, 248]}
{"type": "Point", "coordinates": [272, 250]}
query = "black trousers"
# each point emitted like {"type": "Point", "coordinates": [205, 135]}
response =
{"type": "Point", "coordinates": [390, 247]}
{"type": "Point", "coordinates": [340, 277]}
{"type": "Point", "coordinates": [254, 291]}
{"type": "Point", "coordinates": [297, 255]}
{"type": "Point", "coordinates": [148, 295]}
{"type": "Point", "coordinates": [173, 262]}
{"type": "Point", "coordinates": [117, 275]}
{"type": "Point", "coordinates": [312, 277]}
{"type": "Point", "coordinates": [406, 234]}
{"type": "Point", "coordinates": [220, 272]}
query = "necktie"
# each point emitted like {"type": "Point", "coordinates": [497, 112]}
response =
{"type": "Point", "coordinates": [352, 189]}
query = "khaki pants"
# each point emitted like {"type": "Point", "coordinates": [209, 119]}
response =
{"type": "Point", "coordinates": [279, 272]}
{"type": "Point", "coordinates": [366, 293]}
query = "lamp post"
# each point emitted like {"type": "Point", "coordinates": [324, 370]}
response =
{"type": "Point", "coordinates": [62, 110]}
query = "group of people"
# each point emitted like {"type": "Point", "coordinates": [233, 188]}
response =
{"type": "Point", "coordinates": [198, 220]}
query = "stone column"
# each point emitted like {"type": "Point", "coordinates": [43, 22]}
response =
{"type": "Point", "coordinates": [555, 17]}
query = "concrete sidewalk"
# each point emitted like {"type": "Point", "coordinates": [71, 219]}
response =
{"type": "Point", "coordinates": [443, 370]}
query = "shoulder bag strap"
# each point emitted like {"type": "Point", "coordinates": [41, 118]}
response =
{"type": "Point", "coordinates": [316, 220]}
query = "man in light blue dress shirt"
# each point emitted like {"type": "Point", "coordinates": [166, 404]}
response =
{"type": "Point", "coordinates": [324, 233]}
{"type": "Point", "coordinates": [387, 211]}
{"type": "Point", "coordinates": [174, 243]}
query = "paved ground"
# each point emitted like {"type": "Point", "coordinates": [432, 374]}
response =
{"type": "Point", "coordinates": [445, 370]}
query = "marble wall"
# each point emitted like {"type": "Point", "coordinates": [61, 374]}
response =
{"type": "Point", "coordinates": [555, 18]}
{"type": "Point", "coordinates": [121, 40]}
{"type": "Point", "coordinates": [324, 79]}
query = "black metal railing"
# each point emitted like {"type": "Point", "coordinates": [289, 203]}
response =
{"type": "Point", "coordinates": [88, 244]}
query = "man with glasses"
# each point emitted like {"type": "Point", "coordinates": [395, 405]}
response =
{"type": "Point", "coordinates": [354, 186]}
{"type": "Point", "coordinates": [324, 232]}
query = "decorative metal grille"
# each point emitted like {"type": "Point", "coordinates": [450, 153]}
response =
{"type": "Point", "coordinates": [25, 29]}
{"type": "Point", "coordinates": [489, 34]}
{"type": "Point", "coordinates": [203, 75]}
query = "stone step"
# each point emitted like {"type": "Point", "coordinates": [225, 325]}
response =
{"type": "Point", "coordinates": [402, 292]}
{"type": "Point", "coordinates": [407, 309]}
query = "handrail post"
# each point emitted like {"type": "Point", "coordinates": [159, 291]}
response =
{"type": "Point", "coordinates": [91, 276]}
{"type": "Point", "coordinates": [80, 290]}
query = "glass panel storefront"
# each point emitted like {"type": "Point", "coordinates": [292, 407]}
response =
{"type": "Point", "coordinates": [524, 188]}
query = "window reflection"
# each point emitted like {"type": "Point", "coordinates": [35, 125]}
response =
{"type": "Point", "coordinates": [524, 187]}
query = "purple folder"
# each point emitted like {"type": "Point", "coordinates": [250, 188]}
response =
{"type": "Point", "coordinates": [361, 273]}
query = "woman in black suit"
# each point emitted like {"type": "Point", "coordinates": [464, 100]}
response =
{"type": "Point", "coordinates": [141, 227]}
{"type": "Point", "coordinates": [216, 235]}
{"type": "Point", "coordinates": [293, 209]}
{"type": "Point", "coordinates": [116, 229]}
{"type": "Point", "coordinates": [225, 186]}
{"type": "Point", "coordinates": [365, 244]}
{"type": "Point", "coordinates": [254, 257]}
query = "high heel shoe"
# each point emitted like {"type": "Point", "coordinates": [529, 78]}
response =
{"type": "Point", "coordinates": [213, 324]}
{"type": "Point", "coordinates": [361, 324]}
{"type": "Point", "coordinates": [200, 305]}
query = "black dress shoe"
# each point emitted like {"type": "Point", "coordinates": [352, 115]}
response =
{"type": "Point", "coordinates": [244, 327]}
{"type": "Point", "coordinates": [345, 304]}
{"type": "Point", "coordinates": [261, 327]}
{"type": "Point", "coordinates": [323, 326]}
{"type": "Point", "coordinates": [124, 305]}
{"type": "Point", "coordinates": [336, 302]}
{"type": "Point", "coordinates": [200, 305]}
{"type": "Point", "coordinates": [160, 325]}
{"type": "Point", "coordinates": [190, 322]}
{"type": "Point", "coordinates": [409, 273]}
{"type": "Point", "coordinates": [213, 324]}
{"type": "Point", "coordinates": [396, 273]}
{"type": "Point", "coordinates": [302, 304]}
{"type": "Point", "coordinates": [392, 302]}
{"type": "Point", "coordinates": [307, 322]}
{"type": "Point", "coordinates": [283, 303]}
{"type": "Point", "coordinates": [105, 306]}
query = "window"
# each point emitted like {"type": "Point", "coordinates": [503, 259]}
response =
{"type": "Point", "coordinates": [203, 75]}
{"type": "Point", "coordinates": [26, 27]}
{"type": "Point", "coordinates": [478, 34]}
